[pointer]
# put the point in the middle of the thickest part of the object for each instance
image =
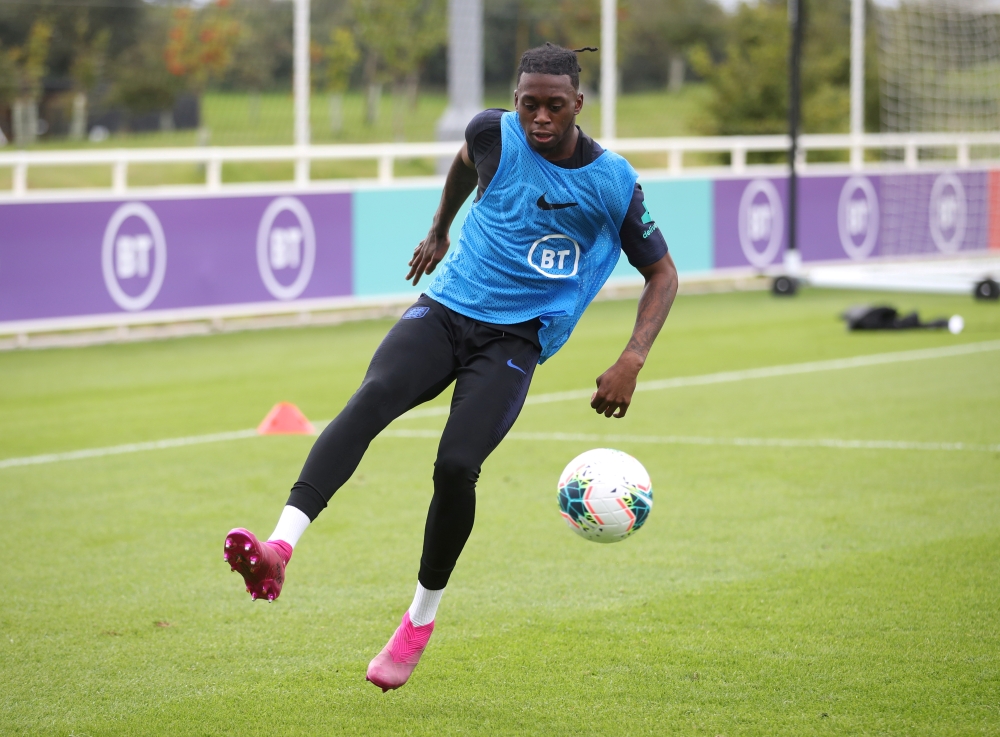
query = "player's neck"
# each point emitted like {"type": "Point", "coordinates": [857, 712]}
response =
{"type": "Point", "coordinates": [565, 149]}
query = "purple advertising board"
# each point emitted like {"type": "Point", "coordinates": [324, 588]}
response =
{"type": "Point", "coordinates": [63, 259]}
{"type": "Point", "coordinates": [851, 217]}
{"type": "Point", "coordinates": [107, 262]}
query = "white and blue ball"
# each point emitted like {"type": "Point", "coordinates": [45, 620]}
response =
{"type": "Point", "coordinates": [605, 495]}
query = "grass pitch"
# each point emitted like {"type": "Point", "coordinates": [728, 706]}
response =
{"type": "Point", "coordinates": [774, 590]}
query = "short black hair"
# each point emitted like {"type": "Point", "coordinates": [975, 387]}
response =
{"type": "Point", "coordinates": [552, 59]}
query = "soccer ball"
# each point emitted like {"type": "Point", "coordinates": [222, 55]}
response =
{"type": "Point", "coordinates": [605, 495]}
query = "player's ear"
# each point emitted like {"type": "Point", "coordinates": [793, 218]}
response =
{"type": "Point", "coordinates": [579, 103]}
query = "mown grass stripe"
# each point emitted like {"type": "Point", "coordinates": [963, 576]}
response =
{"type": "Point", "coordinates": [836, 443]}
{"type": "Point", "coordinates": [765, 372]}
{"type": "Point", "coordinates": [722, 377]}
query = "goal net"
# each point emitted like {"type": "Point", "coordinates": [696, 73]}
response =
{"type": "Point", "coordinates": [939, 69]}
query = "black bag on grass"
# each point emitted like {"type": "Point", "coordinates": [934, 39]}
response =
{"type": "Point", "coordinates": [866, 317]}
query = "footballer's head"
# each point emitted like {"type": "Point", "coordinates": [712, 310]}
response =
{"type": "Point", "coordinates": [548, 97]}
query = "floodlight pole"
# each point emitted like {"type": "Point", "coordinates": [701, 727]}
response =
{"type": "Point", "coordinates": [609, 68]}
{"type": "Point", "coordinates": [857, 82]}
{"type": "Point", "coordinates": [793, 258]}
{"type": "Point", "coordinates": [465, 72]}
{"type": "Point", "coordinates": [300, 87]}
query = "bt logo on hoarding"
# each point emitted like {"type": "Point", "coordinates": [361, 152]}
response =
{"type": "Point", "coordinates": [286, 248]}
{"type": "Point", "coordinates": [858, 217]}
{"type": "Point", "coordinates": [948, 211]}
{"type": "Point", "coordinates": [134, 256]}
{"type": "Point", "coordinates": [761, 222]}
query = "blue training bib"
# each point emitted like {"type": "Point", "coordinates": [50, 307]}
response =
{"type": "Point", "coordinates": [541, 241]}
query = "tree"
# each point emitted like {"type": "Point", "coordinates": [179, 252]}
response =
{"type": "Point", "coordinates": [658, 35]}
{"type": "Point", "coordinates": [30, 66]}
{"type": "Point", "coordinates": [141, 82]}
{"type": "Point", "coordinates": [568, 23]}
{"type": "Point", "coordinates": [200, 43]}
{"type": "Point", "coordinates": [124, 20]}
{"type": "Point", "coordinates": [398, 36]}
{"type": "Point", "coordinates": [580, 25]}
{"type": "Point", "coordinates": [750, 84]}
{"type": "Point", "coordinates": [341, 56]}
{"type": "Point", "coordinates": [89, 55]}
{"type": "Point", "coordinates": [263, 51]}
{"type": "Point", "coordinates": [120, 22]}
{"type": "Point", "coordinates": [8, 83]}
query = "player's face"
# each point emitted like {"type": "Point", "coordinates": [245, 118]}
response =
{"type": "Point", "coordinates": [547, 106]}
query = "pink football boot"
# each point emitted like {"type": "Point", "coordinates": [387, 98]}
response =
{"type": "Point", "coordinates": [262, 564]}
{"type": "Point", "coordinates": [392, 667]}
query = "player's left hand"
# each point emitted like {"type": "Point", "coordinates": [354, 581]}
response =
{"type": "Point", "coordinates": [616, 386]}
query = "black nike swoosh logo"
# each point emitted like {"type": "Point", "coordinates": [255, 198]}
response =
{"type": "Point", "coordinates": [543, 205]}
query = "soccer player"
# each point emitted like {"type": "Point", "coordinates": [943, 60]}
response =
{"type": "Point", "coordinates": [552, 214]}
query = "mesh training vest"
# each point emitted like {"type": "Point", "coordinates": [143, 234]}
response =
{"type": "Point", "coordinates": [541, 241]}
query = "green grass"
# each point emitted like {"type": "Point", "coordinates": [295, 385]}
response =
{"type": "Point", "coordinates": [234, 119]}
{"type": "Point", "coordinates": [774, 591]}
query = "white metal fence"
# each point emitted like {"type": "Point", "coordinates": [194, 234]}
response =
{"type": "Point", "coordinates": [968, 149]}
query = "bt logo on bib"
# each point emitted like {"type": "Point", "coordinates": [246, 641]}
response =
{"type": "Point", "coordinates": [555, 256]}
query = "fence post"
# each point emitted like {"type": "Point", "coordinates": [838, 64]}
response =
{"type": "Point", "coordinates": [857, 153]}
{"type": "Point", "coordinates": [302, 167]}
{"type": "Point", "coordinates": [119, 176]}
{"type": "Point", "coordinates": [963, 153]}
{"type": "Point", "coordinates": [675, 160]}
{"type": "Point", "coordinates": [213, 173]}
{"type": "Point", "coordinates": [20, 184]}
{"type": "Point", "coordinates": [385, 168]}
{"type": "Point", "coordinates": [738, 159]}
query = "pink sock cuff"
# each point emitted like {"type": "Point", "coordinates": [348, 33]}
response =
{"type": "Point", "coordinates": [283, 548]}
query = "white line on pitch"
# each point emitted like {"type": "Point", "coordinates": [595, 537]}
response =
{"type": "Point", "coordinates": [876, 359]}
{"type": "Point", "coordinates": [723, 377]}
{"type": "Point", "coordinates": [115, 450]}
{"type": "Point", "coordinates": [695, 440]}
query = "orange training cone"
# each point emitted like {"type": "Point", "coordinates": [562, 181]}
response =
{"type": "Point", "coordinates": [285, 419]}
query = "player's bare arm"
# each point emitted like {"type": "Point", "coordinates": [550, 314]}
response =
{"type": "Point", "coordinates": [616, 385]}
{"type": "Point", "coordinates": [460, 182]}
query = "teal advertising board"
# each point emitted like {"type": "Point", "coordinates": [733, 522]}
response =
{"type": "Point", "coordinates": [388, 223]}
{"type": "Point", "coordinates": [683, 210]}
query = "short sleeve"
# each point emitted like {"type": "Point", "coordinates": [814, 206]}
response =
{"type": "Point", "coordinates": [482, 134]}
{"type": "Point", "coordinates": [642, 241]}
{"type": "Point", "coordinates": [483, 138]}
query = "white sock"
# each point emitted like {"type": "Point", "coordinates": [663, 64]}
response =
{"type": "Point", "coordinates": [424, 606]}
{"type": "Point", "coordinates": [291, 524]}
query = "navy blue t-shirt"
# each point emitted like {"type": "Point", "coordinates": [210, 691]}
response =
{"type": "Point", "coordinates": [642, 241]}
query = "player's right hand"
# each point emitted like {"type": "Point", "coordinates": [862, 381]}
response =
{"type": "Point", "coordinates": [427, 255]}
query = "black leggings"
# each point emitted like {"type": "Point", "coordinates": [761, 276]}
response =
{"type": "Point", "coordinates": [428, 349]}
